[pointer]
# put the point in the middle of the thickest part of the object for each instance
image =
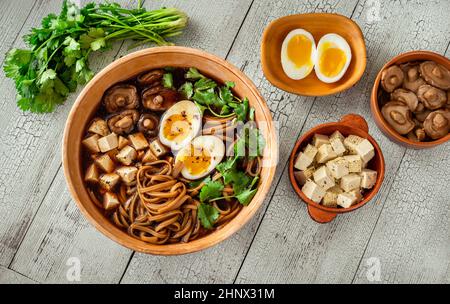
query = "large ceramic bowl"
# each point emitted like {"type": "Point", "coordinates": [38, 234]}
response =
{"type": "Point", "coordinates": [129, 66]}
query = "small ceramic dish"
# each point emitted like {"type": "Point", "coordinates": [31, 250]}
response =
{"type": "Point", "coordinates": [349, 124]}
{"type": "Point", "coordinates": [318, 24]}
{"type": "Point", "coordinates": [376, 111]}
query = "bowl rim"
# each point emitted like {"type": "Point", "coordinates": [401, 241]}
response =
{"type": "Point", "coordinates": [376, 111]}
{"type": "Point", "coordinates": [283, 86]}
{"type": "Point", "coordinates": [216, 236]}
{"type": "Point", "coordinates": [306, 200]}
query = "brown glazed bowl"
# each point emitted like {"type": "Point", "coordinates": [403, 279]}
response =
{"type": "Point", "coordinates": [376, 110]}
{"type": "Point", "coordinates": [129, 66]}
{"type": "Point", "coordinates": [349, 124]}
{"type": "Point", "coordinates": [318, 24]}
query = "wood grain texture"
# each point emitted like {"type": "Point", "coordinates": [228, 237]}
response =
{"type": "Point", "coordinates": [56, 228]}
{"type": "Point", "coordinates": [289, 246]}
{"type": "Point", "coordinates": [221, 263]}
{"type": "Point", "coordinates": [8, 276]}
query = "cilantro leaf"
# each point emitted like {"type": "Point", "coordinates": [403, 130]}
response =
{"type": "Point", "coordinates": [193, 74]}
{"type": "Point", "coordinates": [167, 80]}
{"type": "Point", "coordinates": [207, 215]}
{"type": "Point", "coordinates": [204, 84]}
{"type": "Point", "coordinates": [187, 90]}
{"type": "Point", "coordinates": [241, 109]}
{"type": "Point", "coordinates": [210, 190]}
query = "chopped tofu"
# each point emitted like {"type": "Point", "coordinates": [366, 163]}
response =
{"type": "Point", "coordinates": [127, 174]}
{"type": "Point", "coordinates": [305, 158]}
{"type": "Point", "coordinates": [350, 182]}
{"type": "Point", "coordinates": [105, 163]}
{"type": "Point", "coordinates": [325, 153]}
{"type": "Point", "coordinates": [149, 157]}
{"type": "Point", "coordinates": [348, 199]}
{"type": "Point", "coordinates": [91, 143]}
{"type": "Point", "coordinates": [337, 143]}
{"type": "Point", "coordinates": [158, 149]}
{"type": "Point", "coordinates": [323, 178]}
{"type": "Point", "coordinates": [338, 167]}
{"type": "Point", "coordinates": [319, 140]}
{"type": "Point", "coordinates": [123, 142]}
{"type": "Point", "coordinates": [108, 142]}
{"type": "Point", "coordinates": [336, 189]}
{"type": "Point", "coordinates": [99, 126]}
{"type": "Point", "coordinates": [330, 199]}
{"type": "Point", "coordinates": [303, 175]}
{"type": "Point", "coordinates": [110, 201]}
{"type": "Point", "coordinates": [138, 141]}
{"type": "Point", "coordinates": [351, 142]}
{"type": "Point", "coordinates": [313, 191]}
{"type": "Point", "coordinates": [127, 155]}
{"type": "Point", "coordinates": [354, 163]}
{"type": "Point", "coordinates": [357, 194]}
{"type": "Point", "coordinates": [368, 178]}
{"type": "Point", "coordinates": [91, 175]}
{"type": "Point", "coordinates": [109, 180]}
{"type": "Point", "coordinates": [365, 150]}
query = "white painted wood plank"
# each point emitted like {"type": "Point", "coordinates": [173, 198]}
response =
{"type": "Point", "coordinates": [221, 263]}
{"type": "Point", "coordinates": [8, 276]}
{"type": "Point", "coordinates": [59, 231]}
{"type": "Point", "coordinates": [289, 246]}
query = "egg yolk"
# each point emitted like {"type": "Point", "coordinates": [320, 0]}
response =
{"type": "Point", "coordinates": [332, 60]}
{"type": "Point", "coordinates": [197, 160]}
{"type": "Point", "coordinates": [177, 126]}
{"type": "Point", "coordinates": [299, 50]}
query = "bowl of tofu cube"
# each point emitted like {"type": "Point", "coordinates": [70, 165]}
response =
{"type": "Point", "coordinates": [336, 167]}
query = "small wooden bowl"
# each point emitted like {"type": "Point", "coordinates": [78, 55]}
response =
{"type": "Point", "coordinates": [349, 124]}
{"type": "Point", "coordinates": [376, 111]}
{"type": "Point", "coordinates": [129, 66]}
{"type": "Point", "coordinates": [318, 24]}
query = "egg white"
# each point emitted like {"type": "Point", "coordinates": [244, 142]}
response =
{"type": "Point", "coordinates": [340, 43]}
{"type": "Point", "coordinates": [289, 67]}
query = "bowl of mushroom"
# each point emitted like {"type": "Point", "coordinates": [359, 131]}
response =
{"type": "Point", "coordinates": [410, 99]}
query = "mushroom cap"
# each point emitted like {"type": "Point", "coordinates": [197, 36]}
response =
{"type": "Point", "coordinates": [435, 74]}
{"type": "Point", "coordinates": [121, 97]}
{"type": "Point", "coordinates": [412, 80]}
{"type": "Point", "coordinates": [407, 97]}
{"type": "Point", "coordinates": [159, 98]}
{"type": "Point", "coordinates": [150, 78]}
{"type": "Point", "coordinates": [437, 124]}
{"type": "Point", "coordinates": [398, 116]}
{"type": "Point", "coordinates": [431, 97]}
{"type": "Point", "coordinates": [123, 122]}
{"type": "Point", "coordinates": [148, 124]}
{"type": "Point", "coordinates": [391, 78]}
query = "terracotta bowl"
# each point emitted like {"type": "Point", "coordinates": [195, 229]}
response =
{"type": "Point", "coordinates": [376, 111]}
{"type": "Point", "coordinates": [129, 66]}
{"type": "Point", "coordinates": [349, 124]}
{"type": "Point", "coordinates": [318, 24]}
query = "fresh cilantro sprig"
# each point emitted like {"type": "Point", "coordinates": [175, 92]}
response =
{"type": "Point", "coordinates": [57, 60]}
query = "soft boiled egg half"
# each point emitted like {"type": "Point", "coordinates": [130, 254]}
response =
{"type": "Point", "coordinates": [330, 59]}
{"type": "Point", "coordinates": [180, 124]}
{"type": "Point", "coordinates": [201, 156]}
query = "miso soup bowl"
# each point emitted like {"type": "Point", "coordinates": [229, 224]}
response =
{"type": "Point", "coordinates": [125, 68]}
{"type": "Point", "coordinates": [349, 124]}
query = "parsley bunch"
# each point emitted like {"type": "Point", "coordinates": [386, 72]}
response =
{"type": "Point", "coordinates": [57, 61]}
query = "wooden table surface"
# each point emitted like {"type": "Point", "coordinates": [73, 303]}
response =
{"type": "Point", "coordinates": [404, 232]}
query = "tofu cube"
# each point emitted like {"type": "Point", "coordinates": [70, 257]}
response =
{"type": "Point", "coordinates": [127, 174]}
{"type": "Point", "coordinates": [365, 150]}
{"type": "Point", "coordinates": [354, 163]}
{"type": "Point", "coordinates": [99, 126]}
{"type": "Point", "coordinates": [337, 143]}
{"type": "Point", "coordinates": [108, 142]}
{"type": "Point", "coordinates": [323, 178]}
{"type": "Point", "coordinates": [330, 199]}
{"type": "Point", "coordinates": [105, 163]}
{"type": "Point", "coordinates": [368, 178]}
{"type": "Point", "coordinates": [123, 142]}
{"type": "Point", "coordinates": [149, 156]}
{"type": "Point", "coordinates": [336, 189]}
{"type": "Point", "coordinates": [110, 201]}
{"type": "Point", "coordinates": [138, 141]}
{"type": "Point", "coordinates": [345, 200]}
{"type": "Point", "coordinates": [92, 175]}
{"type": "Point", "coordinates": [351, 142]}
{"type": "Point", "coordinates": [325, 154]}
{"type": "Point", "coordinates": [305, 158]}
{"type": "Point", "coordinates": [91, 143]}
{"type": "Point", "coordinates": [338, 167]}
{"type": "Point", "coordinates": [158, 149]}
{"type": "Point", "coordinates": [313, 191]}
{"type": "Point", "coordinates": [350, 182]}
{"type": "Point", "coordinates": [109, 180]}
{"type": "Point", "coordinates": [303, 175]}
{"type": "Point", "coordinates": [127, 155]}
{"type": "Point", "coordinates": [356, 193]}
{"type": "Point", "coordinates": [319, 140]}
